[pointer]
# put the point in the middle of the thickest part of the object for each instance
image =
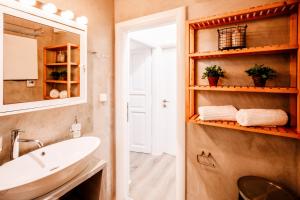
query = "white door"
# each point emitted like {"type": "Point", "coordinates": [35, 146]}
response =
{"type": "Point", "coordinates": [167, 98]}
{"type": "Point", "coordinates": [140, 101]}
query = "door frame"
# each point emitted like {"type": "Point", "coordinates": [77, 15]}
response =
{"type": "Point", "coordinates": [122, 29]}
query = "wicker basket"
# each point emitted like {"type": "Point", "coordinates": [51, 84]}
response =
{"type": "Point", "coordinates": [232, 37]}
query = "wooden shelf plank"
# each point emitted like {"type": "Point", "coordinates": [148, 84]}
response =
{"type": "Point", "coordinates": [61, 81]}
{"type": "Point", "coordinates": [280, 90]}
{"type": "Point", "coordinates": [245, 51]}
{"type": "Point", "coordinates": [61, 64]}
{"type": "Point", "coordinates": [254, 13]}
{"type": "Point", "coordinates": [277, 131]}
{"type": "Point", "coordinates": [61, 47]}
{"type": "Point", "coordinates": [49, 98]}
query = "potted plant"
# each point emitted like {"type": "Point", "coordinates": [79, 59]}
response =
{"type": "Point", "coordinates": [213, 73]}
{"type": "Point", "coordinates": [260, 74]}
{"type": "Point", "coordinates": [64, 75]}
{"type": "Point", "coordinates": [55, 75]}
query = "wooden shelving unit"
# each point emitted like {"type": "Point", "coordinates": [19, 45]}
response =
{"type": "Point", "coordinates": [288, 8]}
{"type": "Point", "coordinates": [72, 66]}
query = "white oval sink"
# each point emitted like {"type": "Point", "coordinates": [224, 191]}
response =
{"type": "Point", "coordinates": [45, 169]}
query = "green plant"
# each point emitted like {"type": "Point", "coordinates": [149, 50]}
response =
{"type": "Point", "coordinates": [55, 75]}
{"type": "Point", "coordinates": [261, 71]}
{"type": "Point", "coordinates": [213, 71]}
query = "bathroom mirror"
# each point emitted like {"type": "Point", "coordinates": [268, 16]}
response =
{"type": "Point", "coordinates": [43, 62]}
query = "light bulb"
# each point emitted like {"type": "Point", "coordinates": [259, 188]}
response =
{"type": "Point", "coordinates": [50, 8]}
{"type": "Point", "coordinates": [28, 2]}
{"type": "Point", "coordinates": [67, 14]}
{"type": "Point", "coordinates": [82, 20]}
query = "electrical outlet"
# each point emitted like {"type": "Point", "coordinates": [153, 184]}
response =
{"type": "Point", "coordinates": [30, 83]}
{"type": "Point", "coordinates": [103, 97]}
{"type": "Point", "coordinates": [1, 143]}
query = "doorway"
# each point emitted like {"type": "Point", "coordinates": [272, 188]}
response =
{"type": "Point", "coordinates": [150, 115]}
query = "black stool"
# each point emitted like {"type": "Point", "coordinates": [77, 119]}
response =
{"type": "Point", "coordinates": [252, 187]}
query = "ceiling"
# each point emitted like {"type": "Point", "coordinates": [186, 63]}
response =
{"type": "Point", "coordinates": [164, 36]}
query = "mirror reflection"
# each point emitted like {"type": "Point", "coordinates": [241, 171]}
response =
{"type": "Point", "coordinates": [40, 62]}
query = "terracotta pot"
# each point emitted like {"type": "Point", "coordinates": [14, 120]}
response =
{"type": "Point", "coordinates": [213, 81]}
{"type": "Point", "coordinates": [259, 81]}
{"type": "Point", "coordinates": [63, 77]}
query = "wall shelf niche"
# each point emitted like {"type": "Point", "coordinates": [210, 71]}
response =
{"type": "Point", "coordinates": [71, 66]}
{"type": "Point", "coordinates": [289, 9]}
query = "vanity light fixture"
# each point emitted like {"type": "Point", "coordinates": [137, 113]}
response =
{"type": "Point", "coordinates": [28, 2]}
{"type": "Point", "coordinates": [52, 9]}
{"type": "Point", "coordinates": [82, 20]}
{"type": "Point", "coordinates": [49, 8]}
{"type": "Point", "coordinates": [67, 14]}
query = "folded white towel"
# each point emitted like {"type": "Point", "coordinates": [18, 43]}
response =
{"type": "Point", "coordinates": [227, 113]}
{"type": "Point", "coordinates": [261, 117]}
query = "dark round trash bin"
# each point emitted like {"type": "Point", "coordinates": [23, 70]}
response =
{"type": "Point", "coordinates": [257, 188]}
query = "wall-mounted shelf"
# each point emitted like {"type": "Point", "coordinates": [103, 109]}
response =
{"type": "Point", "coordinates": [62, 82]}
{"type": "Point", "coordinates": [62, 47]}
{"type": "Point", "coordinates": [279, 90]}
{"type": "Point", "coordinates": [289, 9]}
{"type": "Point", "coordinates": [71, 66]}
{"type": "Point", "coordinates": [254, 13]}
{"type": "Point", "coordinates": [277, 131]}
{"type": "Point", "coordinates": [245, 51]}
{"type": "Point", "coordinates": [61, 64]}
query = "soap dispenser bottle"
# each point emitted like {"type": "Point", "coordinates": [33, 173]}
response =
{"type": "Point", "coordinates": [76, 129]}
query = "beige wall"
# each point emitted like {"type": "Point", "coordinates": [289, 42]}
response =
{"type": "Point", "coordinates": [53, 125]}
{"type": "Point", "coordinates": [237, 153]}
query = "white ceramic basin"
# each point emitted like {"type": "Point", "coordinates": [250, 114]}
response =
{"type": "Point", "coordinates": [45, 169]}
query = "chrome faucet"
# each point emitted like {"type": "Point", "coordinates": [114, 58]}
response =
{"type": "Point", "coordinates": [15, 142]}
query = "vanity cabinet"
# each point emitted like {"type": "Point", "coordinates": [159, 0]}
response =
{"type": "Point", "coordinates": [288, 47]}
{"type": "Point", "coordinates": [89, 184]}
{"type": "Point", "coordinates": [40, 52]}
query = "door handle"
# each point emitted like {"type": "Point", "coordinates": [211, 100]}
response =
{"type": "Point", "coordinates": [165, 103]}
{"type": "Point", "coordinates": [127, 112]}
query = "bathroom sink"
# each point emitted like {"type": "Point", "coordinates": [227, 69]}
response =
{"type": "Point", "coordinates": [45, 169]}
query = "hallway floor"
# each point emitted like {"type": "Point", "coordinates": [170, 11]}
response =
{"type": "Point", "coordinates": [152, 177]}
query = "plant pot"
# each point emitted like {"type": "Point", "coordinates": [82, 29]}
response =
{"type": "Point", "coordinates": [55, 77]}
{"type": "Point", "coordinates": [213, 81]}
{"type": "Point", "coordinates": [64, 78]}
{"type": "Point", "coordinates": [259, 81]}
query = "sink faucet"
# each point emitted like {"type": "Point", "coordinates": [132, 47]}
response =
{"type": "Point", "coordinates": [15, 142]}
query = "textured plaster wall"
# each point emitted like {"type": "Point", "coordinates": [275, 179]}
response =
{"type": "Point", "coordinates": [236, 153]}
{"type": "Point", "coordinates": [96, 118]}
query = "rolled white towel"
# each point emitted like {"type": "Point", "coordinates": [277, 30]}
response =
{"type": "Point", "coordinates": [261, 117]}
{"type": "Point", "coordinates": [227, 113]}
